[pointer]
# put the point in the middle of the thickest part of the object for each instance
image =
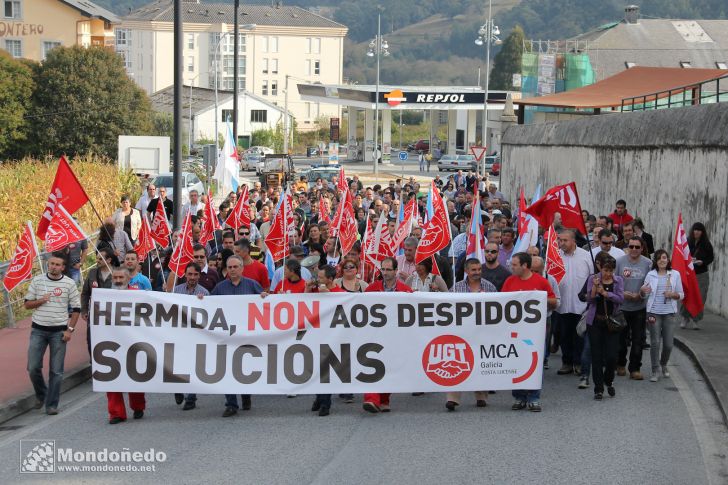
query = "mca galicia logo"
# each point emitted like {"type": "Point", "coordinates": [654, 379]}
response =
{"type": "Point", "coordinates": [37, 456]}
{"type": "Point", "coordinates": [448, 360]}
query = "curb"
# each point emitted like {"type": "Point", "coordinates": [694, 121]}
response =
{"type": "Point", "coordinates": [685, 347]}
{"type": "Point", "coordinates": [13, 409]}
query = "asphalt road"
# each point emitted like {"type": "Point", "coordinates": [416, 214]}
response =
{"type": "Point", "coordinates": [664, 433]}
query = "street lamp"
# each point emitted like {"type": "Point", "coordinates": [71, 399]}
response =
{"type": "Point", "coordinates": [487, 34]}
{"type": "Point", "coordinates": [217, 70]}
{"type": "Point", "coordinates": [376, 47]}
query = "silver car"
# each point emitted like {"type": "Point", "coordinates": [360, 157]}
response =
{"type": "Point", "coordinates": [457, 162]}
{"type": "Point", "coordinates": [190, 181]}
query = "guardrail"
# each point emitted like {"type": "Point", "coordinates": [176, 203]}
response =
{"type": "Point", "coordinates": [9, 302]}
{"type": "Point", "coordinates": [700, 93]}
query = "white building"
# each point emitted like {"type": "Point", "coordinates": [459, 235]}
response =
{"type": "Point", "coordinates": [285, 43]}
{"type": "Point", "coordinates": [254, 112]}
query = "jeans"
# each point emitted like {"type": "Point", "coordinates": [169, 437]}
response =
{"type": "Point", "coordinates": [324, 400]}
{"type": "Point", "coordinates": [39, 340]}
{"type": "Point", "coordinates": [586, 358]}
{"type": "Point", "coordinates": [604, 348]}
{"type": "Point", "coordinates": [571, 343]}
{"type": "Point", "coordinates": [529, 396]}
{"type": "Point", "coordinates": [662, 330]}
{"type": "Point", "coordinates": [632, 337]}
{"type": "Point", "coordinates": [75, 274]}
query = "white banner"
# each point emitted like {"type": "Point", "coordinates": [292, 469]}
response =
{"type": "Point", "coordinates": [317, 343]}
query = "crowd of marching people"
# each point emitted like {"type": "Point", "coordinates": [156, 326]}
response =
{"type": "Point", "coordinates": [610, 293]}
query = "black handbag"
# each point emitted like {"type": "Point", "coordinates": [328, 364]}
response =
{"type": "Point", "coordinates": [615, 323]}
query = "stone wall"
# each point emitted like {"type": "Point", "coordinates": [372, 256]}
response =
{"type": "Point", "coordinates": [661, 162]}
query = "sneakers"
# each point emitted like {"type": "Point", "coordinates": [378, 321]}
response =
{"type": "Point", "coordinates": [636, 376]}
{"type": "Point", "coordinates": [665, 372]}
{"type": "Point", "coordinates": [138, 414]}
{"type": "Point", "coordinates": [451, 405]}
{"type": "Point", "coordinates": [611, 391]}
{"type": "Point", "coordinates": [655, 376]}
{"type": "Point", "coordinates": [583, 382]}
{"type": "Point", "coordinates": [621, 371]}
{"type": "Point", "coordinates": [565, 370]}
{"type": "Point", "coordinates": [370, 407]}
{"type": "Point", "coordinates": [518, 405]}
{"type": "Point", "coordinates": [534, 407]}
{"type": "Point", "coordinates": [229, 412]}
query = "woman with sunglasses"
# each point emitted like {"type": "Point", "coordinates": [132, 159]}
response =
{"type": "Point", "coordinates": [424, 280]}
{"type": "Point", "coordinates": [350, 280]}
{"type": "Point", "coordinates": [663, 289]}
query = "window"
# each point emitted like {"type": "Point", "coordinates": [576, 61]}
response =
{"type": "Point", "coordinates": [316, 68]}
{"type": "Point", "coordinates": [14, 47]}
{"type": "Point", "coordinates": [721, 65]}
{"type": "Point", "coordinates": [11, 9]}
{"type": "Point", "coordinates": [308, 45]}
{"type": "Point", "coordinates": [316, 45]}
{"type": "Point", "coordinates": [190, 41]}
{"type": "Point", "coordinates": [190, 63]}
{"type": "Point", "coordinates": [274, 44]}
{"type": "Point", "coordinates": [265, 88]}
{"type": "Point", "coordinates": [264, 43]}
{"type": "Point", "coordinates": [47, 46]}
{"type": "Point", "coordinates": [274, 88]}
{"type": "Point", "coordinates": [685, 64]}
{"type": "Point", "coordinates": [265, 66]}
{"type": "Point", "coordinates": [274, 66]}
{"type": "Point", "coordinates": [258, 116]}
{"type": "Point", "coordinates": [123, 37]}
{"type": "Point", "coordinates": [125, 57]}
{"type": "Point", "coordinates": [227, 114]}
{"type": "Point", "coordinates": [630, 65]}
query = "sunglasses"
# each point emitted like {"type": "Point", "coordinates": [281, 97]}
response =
{"type": "Point", "coordinates": [607, 243]}
{"type": "Point", "coordinates": [634, 247]}
{"type": "Point", "coordinates": [491, 251]}
{"type": "Point", "coordinates": [244, 233]}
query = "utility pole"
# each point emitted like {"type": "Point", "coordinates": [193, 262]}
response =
{"type": "Point", "coordinates": [177, 171]}
{"type": "Point", "coordinates": [236, 46]}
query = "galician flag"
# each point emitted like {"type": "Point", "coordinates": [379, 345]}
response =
{"type": "Point", "coordinates": [227, 172]}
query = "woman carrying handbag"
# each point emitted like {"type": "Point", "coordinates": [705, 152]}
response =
{"type": "Point", "coordinates": [663, 288]}
{"type": "Point", "coordinates": [605, 293]}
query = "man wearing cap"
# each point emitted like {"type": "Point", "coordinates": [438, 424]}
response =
{"type": "Point", "coordinates": [297, 253]}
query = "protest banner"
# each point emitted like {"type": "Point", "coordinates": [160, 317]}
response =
{"type": "Point", "coordinates": [317, 343]}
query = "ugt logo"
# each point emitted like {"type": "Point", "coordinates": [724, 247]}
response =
{"type": "Point", "coordinates": [447, 360]}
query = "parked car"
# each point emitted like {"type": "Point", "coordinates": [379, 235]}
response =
{"type": "Point", "coordinates": [490, 160]}
{"type": "Point", "coordinates": [261, 150]}
{"type": "Point", "coordinates": [250, 161]}
{"type": "Point", "coordinates": [325, 172]}
{"type": "Point", "coordinates": [457, 162]}
{"type": "Point", "coordinates": [423, 145]}
{"type": "Point", "coordinates": [190, 181]}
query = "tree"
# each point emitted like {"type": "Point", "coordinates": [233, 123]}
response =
{"type": "Point", "coordinates": [16, 88]}
{"type": "Point", "coordinates": [508, 61]}
{"type": "Point", "coordinates": [84, 100]}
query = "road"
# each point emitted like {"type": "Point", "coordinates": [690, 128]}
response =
{"type": "Point", "coordinates": [664, 433]}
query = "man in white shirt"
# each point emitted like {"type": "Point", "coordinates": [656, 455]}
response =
{"type": "Point", "coordinates": [606, 243]}
{"type": "Point", "coordinates": [578, 265]}
{"type": "Point", "coordinates": [194, 205]}
{"type": "Point", "coordinates": [146, 198]}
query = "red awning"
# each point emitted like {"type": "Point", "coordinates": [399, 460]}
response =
{"type": "Point", "coordinates": [631, 83]}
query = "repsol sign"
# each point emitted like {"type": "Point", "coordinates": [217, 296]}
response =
{"type": "Point", "coordinates": [414, 98]}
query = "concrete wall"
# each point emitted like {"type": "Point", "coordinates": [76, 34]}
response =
{"type": "Point", "coordinates": [661, 162]}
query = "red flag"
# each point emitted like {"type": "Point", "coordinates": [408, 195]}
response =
{"type": "Point", "coordinates": [145, 243]}
{"type": "Point", "coordinates": [209, 225]}
{"type": "Point", "coordinates": [563, 199]}
{"type": "Point", "coordinates": [159, 231]}
{"type": "Point", "coordinates": [341, 183]}
{"type": "Point", "coordinates": [378, 246]}
{"type": "Point", "coordinates": [240, 215]}
{"type": "Point", "coordinates": [65, 190]}
{"type": "Point", "coordinates": [683, 262]}
{"type": "Point", "coordinates": [405, 226]}
{"type": "Point", "coordinates": [21, 266]}
{"type": "Point", "coordinates": [346, 227]}
{"type": "Point", "coordinates": [277, 239]}
{"type": "Point", "coordinates": [436, 232]}
{"type": "Point", "coordinates": [323, 213]}
{"type": "Point", "coordinates": [182, 254]}
{"type": "Point", "coordinates": [554, 262]}
{"type": "Point", "coordinates": [435, 267]}
{"type": "Point", "coordinates": [62, 230]}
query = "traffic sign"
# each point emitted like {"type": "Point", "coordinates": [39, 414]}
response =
{"type": "Point", "coordinates": [403, 155]}
{"type": "Point", "coordinates": [478, 152]}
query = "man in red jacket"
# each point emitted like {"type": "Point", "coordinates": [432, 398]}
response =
{"type": "Point", "coordinates": [620, 216]}
{"type": "Point", "coordinates": [376, 402]}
